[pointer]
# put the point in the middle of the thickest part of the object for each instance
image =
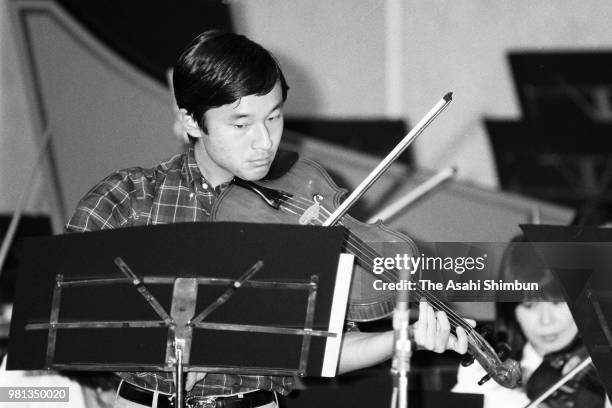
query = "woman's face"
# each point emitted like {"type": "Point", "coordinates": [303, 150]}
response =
{"type": "Point", "coordinates": [548, 326]}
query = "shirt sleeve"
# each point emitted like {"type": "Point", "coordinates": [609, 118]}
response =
{"type": "Point", "coordinates": [106, 205]}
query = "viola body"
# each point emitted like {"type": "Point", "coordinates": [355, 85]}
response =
{"type": "Point", "coordinates": [305, 194]}
{"type": "Point", "coordinates": [309, 189]}
{"type": "Point", "coordinates": [583, 390]}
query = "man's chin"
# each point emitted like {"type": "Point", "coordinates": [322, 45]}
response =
{"type": "Point", "coordinates": [255, 174]}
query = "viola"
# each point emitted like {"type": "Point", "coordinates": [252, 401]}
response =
{"type": "Point", "coordinates": [304, 193]}
{"type": "Point", "coordinates": [584, 389]}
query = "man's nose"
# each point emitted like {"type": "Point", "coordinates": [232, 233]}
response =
{"type": "Point", "coordinates": [262, 137]}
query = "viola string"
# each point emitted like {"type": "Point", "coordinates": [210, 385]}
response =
{"type": "Point", "coordinates": [356, 243]}
{"type": "Point", "coordinates": [453, 317]}
{"type": "Point", "coordinates": [357, 246]}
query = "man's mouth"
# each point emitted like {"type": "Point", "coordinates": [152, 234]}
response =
{"type": "Point", "coordinates": [261, 162]}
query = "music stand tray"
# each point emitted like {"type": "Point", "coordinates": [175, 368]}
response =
{"type": "Point", "coordinates": [217, 297]}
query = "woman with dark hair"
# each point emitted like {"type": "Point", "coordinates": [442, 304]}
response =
{"type": "Point", "coordinates": [542, 334]}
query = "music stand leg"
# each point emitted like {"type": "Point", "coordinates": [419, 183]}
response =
{"type": "Point", "coordinates": [403, 353]}
{"type": "Point", "coordinates": [179, 378]}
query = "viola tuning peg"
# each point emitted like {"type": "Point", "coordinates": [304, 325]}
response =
{"type": "Point", "coordinates": [467, 361]}
{"type": "Point", "coordinates": [484, 379]}
{"type": "Point", "coordinates": [503, 351]}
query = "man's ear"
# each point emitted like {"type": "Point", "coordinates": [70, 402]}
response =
{"type": "Point", "coordinates": [189, 124]}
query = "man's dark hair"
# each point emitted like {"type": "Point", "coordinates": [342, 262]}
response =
{"type": "Point", "coordinates": [218, 68]}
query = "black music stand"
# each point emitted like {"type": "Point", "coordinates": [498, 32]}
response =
{"type": "Point", "coordinates": [215, 297]}
{"type": "Point", "coordinates": [29, 226]}
{"type": "Point", "coordinates": [563, 85]}
{"type": "Point", "coordinates": [544, 160]}
{"type": "Point", "coordinates": [581, 259]}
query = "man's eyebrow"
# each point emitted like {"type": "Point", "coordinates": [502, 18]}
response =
{"type": "Point", "coordinates": [277, 106]}
{"type": "Point", "coordinates": [239, 115]}
{"type": "Point", "coordinates": [235, 116]}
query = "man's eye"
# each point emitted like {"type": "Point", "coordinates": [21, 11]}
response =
{"type": "Point", "coordinates": [273, 118]}
{"type": "Point", "coordinates": [240, 125]}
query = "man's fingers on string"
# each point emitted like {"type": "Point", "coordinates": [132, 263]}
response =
{"type": "Point", "coordinates": [421, 325]}
{"type": "Point", "coordinates": [471, 322]}
{"type": "Point", "coordinates": [432, 328]}
{"type": "Point", "coordinates": [443, 333]}
{"type": "Point", "coordinates": [451, 343]}
{"type": "Point", "coordinates": [460, 342]}
{"type": "Point", "coordinates": [422, 311]}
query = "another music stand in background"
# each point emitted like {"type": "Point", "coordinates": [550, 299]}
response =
{"type": "Point", "coordinates": [371, 136]}
{"type": "Point", "coordinates": [581, 259]}
{"type": "Point", "coordinates": [214, 297]}
{"type": "Point", "coordinates": [567, 163]}
{"type": "Point", "coordinates": [560, 152]}
{"type": "Point", "coordinates": [564, 85]}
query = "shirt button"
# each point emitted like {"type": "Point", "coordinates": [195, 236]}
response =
{"type": "Point", "coordinates": [190, 196]}
{"type": "Point", "coordinates": [204, 186]}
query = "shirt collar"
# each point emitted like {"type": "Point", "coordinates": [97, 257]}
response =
{"type": "Point", "coordinates": [196, 176]}
{"type": "Point", "coordinates": [531, 359]}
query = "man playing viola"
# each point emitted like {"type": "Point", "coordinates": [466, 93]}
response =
{"type": "Point", "coordinates": [230, 93]}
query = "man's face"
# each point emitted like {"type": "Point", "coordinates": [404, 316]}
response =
{"type": "Point", "coordinates": [242, 138]}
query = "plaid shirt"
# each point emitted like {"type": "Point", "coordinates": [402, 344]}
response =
{"type": "Point", "coordinates": [174, 191]}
